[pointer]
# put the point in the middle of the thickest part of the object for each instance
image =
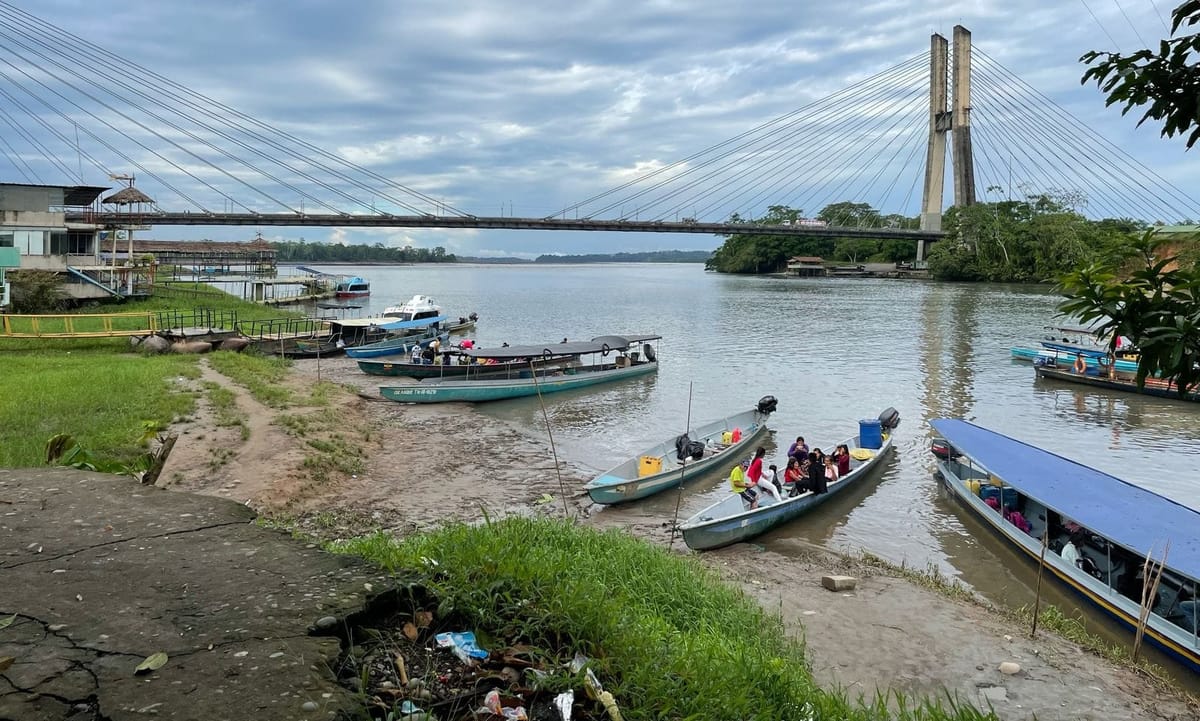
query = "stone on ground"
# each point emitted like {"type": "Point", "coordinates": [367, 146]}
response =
{"type": "Point", "coordinates": [839, 583]}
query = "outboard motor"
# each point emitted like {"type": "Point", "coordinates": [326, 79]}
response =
{"type": "Point", "coordinates": [767, 404]}
{"type": "Point", "coordinates": [474, 316]}
{"type": "Point", "coordinates": [648, 352]}
{"type": "Point", "coordinates": [889, 419]}
{"type": "Point", "coordinates": [942, 449]}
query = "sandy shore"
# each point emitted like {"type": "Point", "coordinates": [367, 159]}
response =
{"type": "Point", "coordinates": [424, 465]}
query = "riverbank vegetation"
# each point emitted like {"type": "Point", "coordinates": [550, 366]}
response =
{"type": "Point", "coordinates": [752, 252]}
{"type": "Point", "coordinates": [301, 251]}
{"type": "Point", "coordinates": [664, 634]}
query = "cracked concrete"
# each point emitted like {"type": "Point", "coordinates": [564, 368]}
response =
{"type": "Point", "coordinates": [101, 572]}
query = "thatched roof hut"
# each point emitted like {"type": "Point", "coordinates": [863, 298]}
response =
{"type": "Point", "coordinates": [128, 196]}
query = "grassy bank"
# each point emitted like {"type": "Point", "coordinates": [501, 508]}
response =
{"type": "Point", "coordinates": [100, 397]}
{"type": "Point", "coordinates": [666, 635]}
{"type": "Point", "coordinates": [97, 391]}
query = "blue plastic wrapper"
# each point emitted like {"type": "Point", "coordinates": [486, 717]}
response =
{"type": "Point", "coordinates": [462, 643]}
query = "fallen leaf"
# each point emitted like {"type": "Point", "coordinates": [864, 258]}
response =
{"type": "Point", "coordinates": [153, 662]}
{"type": "Point", "coordinates": [410, 631]}
{"type": "Point", "coordinates": [423, 618]}
{"type": "Point", "coordinates": [6, 622]}
{"type": "Point", "coordinates": [6, 663]}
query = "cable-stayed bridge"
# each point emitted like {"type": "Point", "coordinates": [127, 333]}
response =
{"type": "Point", "coordinates": [70, 109]}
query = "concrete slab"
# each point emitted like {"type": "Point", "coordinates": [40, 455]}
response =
{"type": "Point", "coordinates": [102, 572]}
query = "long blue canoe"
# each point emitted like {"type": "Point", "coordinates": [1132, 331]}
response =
{"type": "Point", "coordinates": [613, 359]}
{"type": "Point", "coordinates": [731, 521]}
{"type": "Point", "coordinates": [396, 345]}
{"type": "Point", "coordinates": [629, 480]}
{"type": "Point", "coordinates": [1117, 525]}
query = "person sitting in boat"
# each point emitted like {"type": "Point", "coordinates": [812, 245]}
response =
{"type": "Point", "coordinates": [816, 471]}
{"type": "Point", "coordinates": [467, 344]}
{"type": "Point", "coordinates": [757, 479]}
{"type": "Point", "coordinates": [831, 469]}
{"type": "Point", "coordinates": [842, 454]}
{"type": "Point", "coordinates": [1189, 608]}
{"type": "Point", "coordinates": [737, 483]}
{"type": "Point", "coordinates": [794, 477]}
{"type": "Point", "coordinates": [427, 356]}
{"type": "Point", "coordinates": [799, 449]}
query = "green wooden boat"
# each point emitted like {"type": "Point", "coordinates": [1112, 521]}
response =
{"type": "Point", "coordinates": [572, 373]}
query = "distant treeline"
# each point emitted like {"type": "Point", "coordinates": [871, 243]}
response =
{"type": "Point", "coordinates": [300, 251]}
{"type": "Point", "coordinates": [654, 256]}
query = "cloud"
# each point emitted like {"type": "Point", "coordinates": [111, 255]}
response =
{"type": "Point", "coordinates": [528, 108]}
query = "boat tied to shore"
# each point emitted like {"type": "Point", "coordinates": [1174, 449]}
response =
{"type": "Point", "coordinates": [731, 520]}
{"type": "Point", "coordinates": [1030, 497]}
{"type": "Point", "coordinates": [632, 355]}
{"type": "Point", "coordinates": [681, 458]}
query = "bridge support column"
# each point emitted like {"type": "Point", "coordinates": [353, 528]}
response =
{"type": "Point", "coordinates": [935, 159]}
{"type": "Point", "coordinates": [964, 163]}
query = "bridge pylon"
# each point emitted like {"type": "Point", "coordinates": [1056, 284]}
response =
{"type": "Point", "coordinates": [952, 117]}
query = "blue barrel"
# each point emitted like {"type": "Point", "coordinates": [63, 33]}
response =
{"type": "Point", "coordinates": [870, 433]}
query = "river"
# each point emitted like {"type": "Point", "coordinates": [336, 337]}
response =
{"type": "Point", "coordinates": [832, 351]}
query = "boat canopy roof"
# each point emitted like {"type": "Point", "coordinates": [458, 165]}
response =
{"type": "Point", "coordinates": [1140, 520]}
{"type": "Point", "coordinates": [387, 323]}
{"type": "Point", "coordinates": [599, 344]}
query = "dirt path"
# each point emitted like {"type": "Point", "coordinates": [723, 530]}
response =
{"type": "Point", "coordinates": [423, 465]}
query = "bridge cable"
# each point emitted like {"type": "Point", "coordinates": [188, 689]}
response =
{"type": "Point", "coordinates": [1112, 149]}
{"type": "Point", "coordinates": [13, 157]}
{"type": "Point", "coordinates": [47, 153]}
{"type": "Point", "coordinates": [138, 123]}
{"type": "Point", "coordinates": [205, 104]}
{"type": "Point", "coordinates": [811, 152]}
{"type": "Point", "coordinates": [1086, 142]}
{"type": "Point", "coordinates": [776, 136]}
{"type": "Point", "coordinates": [1022, 112]}
{"type": "Point", "coordinates": [832, 112]}
{"type": "Point", "coordinates": [216, 131]}
{"type": "Point", "coordinates": [845, 92]}
{"type": "Point", "coordinates": [1131, 25]}
{"type": "Point", "coordinates": [98, 139]}
{"type": "Point", "coordinates": [1110, 37]}
{"type": "Point", "coordinates": [29, 137]}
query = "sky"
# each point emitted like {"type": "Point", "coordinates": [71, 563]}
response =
{"type": "Point", "coordinates": [505, 108]}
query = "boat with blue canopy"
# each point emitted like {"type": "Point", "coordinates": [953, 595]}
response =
{"type": "Point", "coordinates": [674, 461]}
{"type": "Point", "coordinates": [402, 335]}
{"type": "Point", "coordinates": [1027, 494]}
{"type": "Point", "coordinates": [608, 358]}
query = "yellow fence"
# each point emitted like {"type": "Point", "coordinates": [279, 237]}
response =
{"type": "Point", "coordinates": [73, 325]}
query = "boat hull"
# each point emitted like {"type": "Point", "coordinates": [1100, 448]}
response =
{"type": "Point", "coordinates": [1153, 387]}
{"type": "Point", "coordinates": [351, 293]}
{"type": "Point", "coordinates": [1067, 358]}
{"type": "Point", "coordinates": [622, 484]}
{"type": "Point", "coordinates": [400, 367]}
{"type": "Point", "coordinates": [1096, 593]}
{"type": "Point", "coordinates": [393, 346]}
{"type": "Point", "coordinates": [483, 390]}
{"type": "Point", "coordinates": [707, 529]}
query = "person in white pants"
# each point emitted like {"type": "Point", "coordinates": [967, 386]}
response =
{"type": "Point", "coordinates": [758, 479]}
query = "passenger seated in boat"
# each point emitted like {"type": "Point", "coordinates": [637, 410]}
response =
{"type": "Point", "coordinates": [831, 469]}
{"type": "Point", "coordinates": [794, 478]}
{"type": "Point", "coordinates": [798, 449]}
{"type": "Point", "coordinates": [737, 483]}
{"type": "Point", "coordinates": [816, 471]}
{"type": "Point", "coordinates": [842, 454]}
{"type": "Point", "coordinates": [427, 356]}
{"type": "Point", "coordinates": [1070, 549]}
{"type": "Point", "coordinates": [1189, 608]}
{"type": "Point", "coordinates": [758, 480]}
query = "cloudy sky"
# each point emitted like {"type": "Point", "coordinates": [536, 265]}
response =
{"type": "Point", "coordinates": [526, 108]}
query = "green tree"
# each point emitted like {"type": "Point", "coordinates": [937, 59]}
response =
{"type": "Point", "coordinates": [1167, 81]}
{"type": "Point", "coordinates": [1152, 299]}
{"type": "Point", "coordinates": [37, 291]}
